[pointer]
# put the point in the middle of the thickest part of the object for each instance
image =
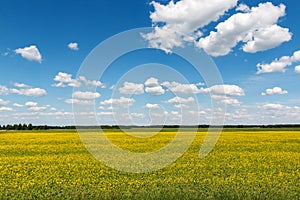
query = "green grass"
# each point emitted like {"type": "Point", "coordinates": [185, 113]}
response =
{"type": "Point", "coordinates": [245, 164]}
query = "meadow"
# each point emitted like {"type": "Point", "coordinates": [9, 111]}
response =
{"type": "Point", "coordinates": [245, 164]}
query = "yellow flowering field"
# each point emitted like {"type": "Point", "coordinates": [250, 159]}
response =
{"type": "Point", "coordinates": [245, 164]}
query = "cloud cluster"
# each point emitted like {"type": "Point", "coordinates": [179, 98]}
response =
{"type": "Point", "coordinates": [152, 106]}
{"type": "Point", "coordinates": [153, 87]}
{"type": "Point", "coordinates": [86, 95]}
{"type": "Point", "coordinates": [181, 22]}
{"type": "Point", "coordinates": [35, 92]}
{"type": "Point", "coordinates": [22, 89]}
{"type": "Point", "coordinates": [176, 87]}
{"type": "Point", "coordinates": [132, 88]}
{"type": "Point", "coordinates": [275, 90]}
{"type": "Point", "coordinates": [33, 106]}
{"type": "Point", "coordinates": [225, 93]}
{"type": "Point", "coordinates": [64, 79]}
{"type": "Point", "coordinates": [120, 102]}
{"type": "Point", "coordinates": [256, 28]}
{"type": "Point", "coordinates": [279, 65]}
{"type": "Point", "coordinates": [30, 53]}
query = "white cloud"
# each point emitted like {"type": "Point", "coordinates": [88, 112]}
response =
{"type": "Point", "coordinates": [243, 8]}
{"type": "Point", "coordinates": [230, 101]}
{"type": "Point", "coordinates": [31, 104]}
{"type": "Point", "coordinates": [4, 90]}
{"type": "Point", "coordinates": [137, 115]}
{"type": "Point", "coordinates": [132, 88]}
{"type": "Point", "coordinates": [273, 106]}
{"type": "Point", "coordinates": [275, 90]}
{"type": "Point", "coordinates": [157, 90]}
{"type": "Point", "coordinates": [35, 92]}
{"type": "Point", "coordinates": [224, 93]}
{"type": "Point", "coordinates": [31, 53]}
{"type": "Point", "coordinates": [86, 95]}
{"type": "Point", "coordinates": [181, 100]}
{"type": "Point", "coordinates": [122, 102]}
{"type": "Point", "coordinates": [21, 85]}
{"type": "Point", "coordinates": [105, 113]}
{"type": "Point", "coordinates": [3, 103]}
{"type": "Point", "coordinates": [182, 21]}
{"type": "Point", "coordinates": [151, 82]}
{"type": "Point", "coordinates": [230, 90]}
{"type": "Point", "coordinates": [182, 88]}
{"type": "Point", "coordinates": [267, 38]}
{"type": "Point", "coordinates": [73, 46]}
{"type": "Point", "coordinates": [152, 106]}
{"type": "Point", "coordinates": [153, 87]}
{"type": "Point", "coordinates": [297, 69]}
{"type": "Point", "coordinates": [91, 82]}
{"type": "Point", "coordinates": [64, 80]}
{"type": "Point", "coordinates": [255, 28]}
{"type": "Point", "coordinates": [279, 65]}
{"type": "Point", "coordinates": [17, 105]}
{"type": "Point", "coordinates": [37, 108]}
{"type": "Point", "coordinates": [5, 109]}
{"type": "Point", "coordinates": [79, 101]}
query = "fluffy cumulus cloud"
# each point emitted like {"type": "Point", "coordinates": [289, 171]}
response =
{"type": "Point", "coordinates": [86, 95]}
{"type": "Point", "coordinates": [17, 105]}
{"type": "Point", "coordinates": [275, 90]}
{"type": "Point", "coordinates": [33, 106]}
{"type": "Point", "coordinates": [255, 27]}
{"type": "Point", "coordinates": [35, 92]}
{"type": "Point", "coordinates": [297, 69]}
{"type": "Point", "coordinates": [152, 106]}
{"type": "Point", "coordinates": [22, 89]}
{"type": "Point", "coordinates": [73, 46]}
{"type": "Point", "coordinates": [121, 102]}
{"type": "Point", "coordinates": [225, 94]}
{"type": "Point", "coordinates": [181, 100]}
{"type": "Point", "coordinates": [151, 82]}
{"type": "Point", "coordinates": [230, 90]}
{"type": "Point", "coordinates": [177, 23]}
{"type": "Point", "coordinates": [182, 21]}
{"type": "Point", "coordinates": [79, 101]}
{"type": "Point", "coordinates": [91, 82]}
{"type": "Point", "coordinates": [157, 90]}
{"type": "Point", "coordinates": [153, 87]}
{"type": "Point", "coordinates": [131, 88]}
{"type": "Point", "coordinates": [5, 109]}
{"type": "Point", "coordinates": [279, 113]}
{"type": "Point", "coordinates": [64, 79]}
{"type": "Point", "coordinates": [181, 88]}
{"type": "Point", "coordinates": [21, 85]}
{"type": "Point", "coordinates": [31, 53]}
{"type": "Point", "coordinates": [279, 65]}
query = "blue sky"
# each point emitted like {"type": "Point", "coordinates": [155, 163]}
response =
{"type": "Point", "coordinates": [43, 45]}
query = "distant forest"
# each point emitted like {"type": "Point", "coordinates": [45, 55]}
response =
{"type": "Point", "coordinates": [46, 127]}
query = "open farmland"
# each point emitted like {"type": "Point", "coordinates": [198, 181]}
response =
{"type": "Point", "coordinates": [245, 164]}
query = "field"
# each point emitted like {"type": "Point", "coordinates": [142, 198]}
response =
{"type": "Point", "coordinates": [245, 164]}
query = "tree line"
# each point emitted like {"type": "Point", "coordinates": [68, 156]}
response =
{"type": "Point", "coordinates": [32, 127]}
